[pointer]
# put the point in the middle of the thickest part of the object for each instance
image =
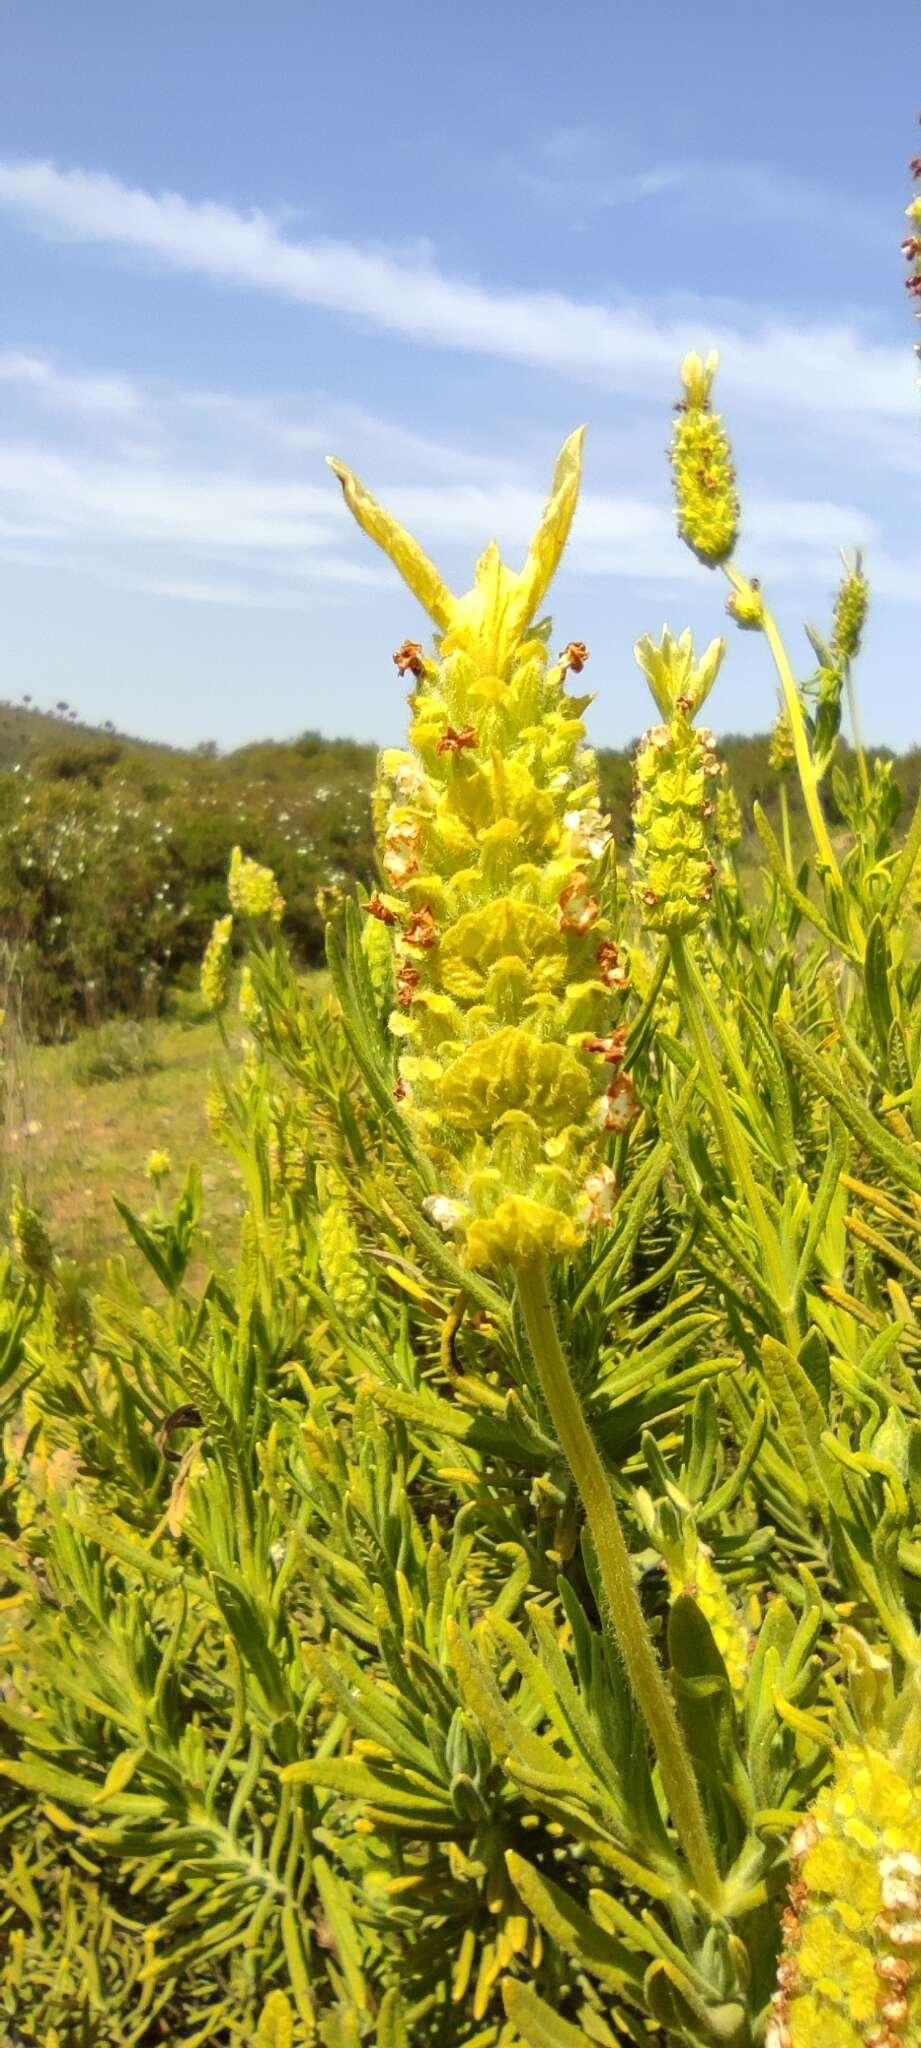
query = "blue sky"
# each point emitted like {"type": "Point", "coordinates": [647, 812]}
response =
{"type": "Point", "coordinates": [432, 240]}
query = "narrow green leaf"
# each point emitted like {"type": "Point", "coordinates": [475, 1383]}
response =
{"type": "Point", "coordinates": [572, 1929]}
{"type": "Point", "coordinates": [536, 2022]}
{"type": "Point", "coordinates": [900, 1160]}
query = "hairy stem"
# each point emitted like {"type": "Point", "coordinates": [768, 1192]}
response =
{"type": "Point", "coordinates": [626, 1615]}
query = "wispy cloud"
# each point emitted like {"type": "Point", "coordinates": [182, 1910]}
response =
{"type": "Point", "coordinates": [240, 596]}
{"type": "Point", "coordinates": [172, 526]}
{"type": "Point", "coordinates": [771, 362]}
{"type": "Point", "coordinates": [137, 502]}
{"type": "Point", "coordinates": [602, 194]}
{"type": "Point", "coordinates": [90, 397]}
{"type": "Point", "coordinates": [736, 193]}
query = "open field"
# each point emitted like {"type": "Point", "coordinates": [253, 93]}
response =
{"type": "Point", "coordinates": [73, 1141]}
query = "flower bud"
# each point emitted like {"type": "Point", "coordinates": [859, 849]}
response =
{"type": "Point", "coordinates": [675, 676]}
{"type": "Point", "coordinates": [673, 815]}
{"type": "Point", "coordinates": [746, 605]}
{"type": "Point", "coordinates": [217, 1115]}
{"type": "Point", "coordinates": [850, 613]}
{"type": "Point", "coordinates": [781, 752]}
{"type": "Point", "coordinates": [691, 1571]}
{"type": "Point", "coordinates": [31, 1242]}
{"type": "Point", "coordinates": [706, 501]}
{"type": "Point", "coordinates": [252, 889]}
{"type": "Point", "coordinates": [728, 814]}
{"type": "Point", "coordinates": [216, 965]}
{"type": "Point", "coordinates": [342, 1263]}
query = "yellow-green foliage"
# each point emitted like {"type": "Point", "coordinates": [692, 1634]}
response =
{"type": "Point", "coordinates": [317, 1728]}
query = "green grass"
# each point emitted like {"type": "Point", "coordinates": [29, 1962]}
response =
{"type": "Point", "coordinates": [81, 1119]}
{"type": "Point", "coordinates": [74, 1141]}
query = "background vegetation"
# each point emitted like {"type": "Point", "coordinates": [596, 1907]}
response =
{"type": "Point", "coordinates": [114, 853]}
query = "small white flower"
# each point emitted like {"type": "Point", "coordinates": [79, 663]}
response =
{"type": "Point", "coordinates": [442, 1211]}
{"type": "Point", "coordinates": [412, 784]}
{"type": "Point", "coordinates": [600, 1192]}
{"type": "Point", "coordinates": [589, 828]}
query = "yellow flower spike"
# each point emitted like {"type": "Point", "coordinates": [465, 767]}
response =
{"type": "Point", "coordinates": [216, 965]}
{"type": "Point", "coordinates": [850, 613]}
{"type": "Point", "coordinates": [253, 889]}
{"type": "Point", "coordinates": [850, 1969]}
{"type": "Point", "coordinates": [496, 855]}
{"type": "Point", "coordinates": [674, 811]}
{"type": "Point", "coordinates": [706, 501]}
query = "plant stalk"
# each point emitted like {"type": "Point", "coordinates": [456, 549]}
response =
{"type": "Point", "coordinates": [856, 733]}
{"type": "Point", "coordinates": [804, 762]}
{"type": "Point", "coordinates": [625, 1613]}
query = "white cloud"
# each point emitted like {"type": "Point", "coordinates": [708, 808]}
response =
{"type": "Point", "coordinates": [334, 425]}
{"type": "Point", "coordinates": [830, 369]}
{"type": "Point", "coordinates": [95, 398]}
{"type": "Point", "coordinates": [736, 193]}
{"type": "Point", "coordinates": [143, 503]}
{"type": "Point", "coordinates": [187, 591]}
{"type": "Point", "coordinates": [602, 194]}
{"type": "Point", "coordinates": [895, 578]}
{"type": "Point", "coordinates": [276, 535]}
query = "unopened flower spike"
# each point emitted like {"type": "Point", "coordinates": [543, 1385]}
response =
{"type": "Point", "coordinates": [745, 603]}
{"type": "Point", "coordinates": [216, 965]}
{"type": "Point", "coordinates": [707, 504]}
{"type": "Point", "coordinates": [253, 889]}
{"type": "Point", "coordinates": [781, 751]}
{"type": "Point", "coordinates": [495, 850]}
{"type": "Point", "coordinates": [676, 770]}
{"type": "Point", "coordinates": [850, 614]}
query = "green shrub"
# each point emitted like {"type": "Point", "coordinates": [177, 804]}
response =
{"type": "Point", "coordinates": [115, 1050]}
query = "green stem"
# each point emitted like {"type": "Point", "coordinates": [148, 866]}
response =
{"type": "Point", "coordinates": [643, 1669]}
{"type": "Point", "coordinates": [801, 749]}
{"type": "Point", "coordinates": [733, 1141]}
{"type": "Point", "coordinates": [856, 733]}
{"type": "Point", "coordinates": [804, 762]}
